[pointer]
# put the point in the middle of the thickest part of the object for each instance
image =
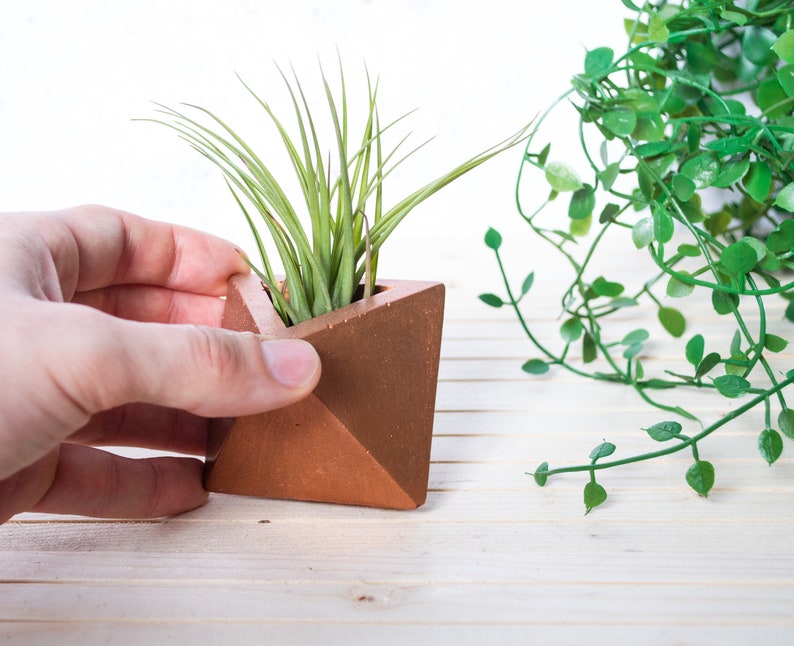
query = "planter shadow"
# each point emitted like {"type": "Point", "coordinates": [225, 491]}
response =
{"type": "Point", "coordinates": [364, 435]}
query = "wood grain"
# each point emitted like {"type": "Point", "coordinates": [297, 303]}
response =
{"type": "Point", "coordinates": [490, 558]}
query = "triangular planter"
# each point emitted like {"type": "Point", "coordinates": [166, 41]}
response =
{"type": "Point", "coordinates": [363, 437]}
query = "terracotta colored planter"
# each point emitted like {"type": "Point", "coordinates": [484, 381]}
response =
{"type": "Point", "coordinates": [363, 437]}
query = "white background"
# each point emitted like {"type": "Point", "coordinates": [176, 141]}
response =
{"type": "Point", "coordinates": [74, 76]}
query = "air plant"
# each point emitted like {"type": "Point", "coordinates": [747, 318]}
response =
{"type": "Point", "coordinates": [324, 263]}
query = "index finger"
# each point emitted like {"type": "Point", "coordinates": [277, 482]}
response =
{"type": "Point", "coordinates": [117, 248]}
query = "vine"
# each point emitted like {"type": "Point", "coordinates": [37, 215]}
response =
{"type": "Point", "coordinates": [688, 138]}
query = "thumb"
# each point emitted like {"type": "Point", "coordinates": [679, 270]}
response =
{"type": "Point", "coordinates": [209, 371]}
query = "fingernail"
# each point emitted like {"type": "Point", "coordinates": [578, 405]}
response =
{"type": "Point", "coordinates": [293, 363]}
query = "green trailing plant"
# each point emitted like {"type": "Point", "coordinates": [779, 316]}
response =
{"type": "Point", "coordinates": [687, 141]}
{"type": "Point", "coordinates": [331, 245]}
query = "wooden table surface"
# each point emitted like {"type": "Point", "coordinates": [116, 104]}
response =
{"type": "Point", "coordinates": [490, 558]}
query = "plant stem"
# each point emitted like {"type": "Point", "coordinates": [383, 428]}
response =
{"type": "Point", "coordinates": [687, 442]}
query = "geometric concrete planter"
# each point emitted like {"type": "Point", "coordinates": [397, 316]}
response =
{"type": "Point", "coordinates": [363, 436]}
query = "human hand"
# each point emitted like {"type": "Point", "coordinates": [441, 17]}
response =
{"type": "Point", "coordinates": [110, 337]}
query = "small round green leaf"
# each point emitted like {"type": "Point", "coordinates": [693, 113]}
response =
{"type": "Point", "coordinates": [603, 287]}
{"type": "Point", "coordinates": [632, 350]}
{"type": "Point", "coordinates": [664, 431]}
{"type": "Point", "coordinates": [636, 336]}
{"type": "Point", "coordinates": [677, 288]}
{"type": "Point", "coordinates": [535, 367]}
{"type": "Point", "coordinates": [785, 198]}
{"type": "Point", "coordinates": [609, 175]}
{"type": "Point", "coordinates": [781, 238]}
{"type": "Point", "coordinates": [757, 44]}
{"type": "Point", "coordinates": [597, 62]}
{"type": "Point", "coordinates": [702, 170]}
{"type": "Point", "coordinates": [663, 225]}
{"type": "Point", "coordinates": [657, 29]}
{"type": "Point", "coordinates": [608, 213]}
{"type": "Point", "coordinates": [719, 222]}
{"type": "Point", "coordinates": [731, 386]}
{"type": "Point", "coordinates": [561, 177]}
{"type": "Point", "coordinates": [603, 450]}
{"type": "Point", "coordinates": [491, 299]}
{"type": "Point", "coordinates": [771, 98]}
{"type": "Point", "coordinates": [732, 171]}
{"type": "Point", "coordinates": [620, 122]}
{"type": "Point", "coordinates": [594, 495]}
{"type": "Point", "coordinates": [571, 330]}
{"type": "Point", "coordinates": [785, 76]}
{"type": "Point", "coordinates": [738, 258]}
{"type": "Point", "coordinates": [694, 349]}
{"type": "Point", "coordinates": [771, 263]}
{"type": "Point", "coordinates": [650, 127]}
{"type": "Point", "coordinates": [582, 203]}
{"type": "Point", "coordinates": [699, 57]}
{"type": "Point", "coordinates": [737, 364]}
{"type": "Point", "coordinates": [784, 46]}
{"type": "Point", "coordinates": [493, 239]}
{"type": "Point", "coordinates": [662, 166]}
{"type": "Point", "coordinates": [689, 250]}
{"type": "Point", "coordinates": [775, 343]}
{"type": "Point", "coordinates": [724, 302]}
{"type": "Point", "coordinates": [642, 233]}
{"type": "Point", "coordinates": [758, 181]}
{"type": "Point", "coordinates": [672, 320]}
{"type": "Point", "coordinates": [683, 187]}
{"type": "Point", "coordinates": [785, 420]}
{"type": "Point", "coordinates": [540, 474]}
{"type": "Point", "coordinates": [770, 445]}
{"type": "Point", "coordinates": [758, 246]}
{"type": "Point", "coordinates": [580, 227]}
{"type": "Point", "coordinates": [700, 476]}
{"type": "Point", "coordinates": [710, 361]}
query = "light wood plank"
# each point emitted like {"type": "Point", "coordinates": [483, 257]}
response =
{"type": "Point", "coordinates": [487, 558]}
{"type": "Point", "coordinates": [693, 604]}
{"type": "Point", "coordinates": [213, 632]}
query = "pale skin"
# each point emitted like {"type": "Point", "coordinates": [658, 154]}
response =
{"type": "Point", "coordinates": [110, 337]}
